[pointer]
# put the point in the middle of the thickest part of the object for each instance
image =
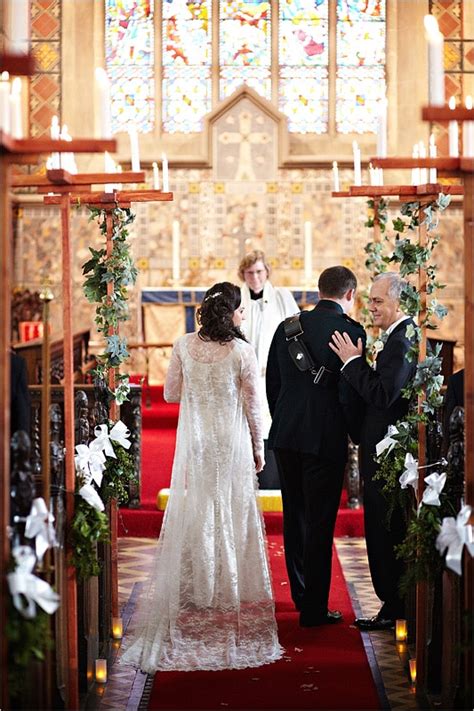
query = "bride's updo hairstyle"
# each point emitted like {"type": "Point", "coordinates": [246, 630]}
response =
{"type": "Point", "coordinates": [216, 311]}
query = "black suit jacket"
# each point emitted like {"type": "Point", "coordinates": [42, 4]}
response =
{"type": "Point", "coordinates": [20, 397]}
{"type": "Point", "coordinates": [381, 390]}
{"type": "Point", "coordinates": [307, 417]}
{"type": "Point", "coordinates": [454, 396]}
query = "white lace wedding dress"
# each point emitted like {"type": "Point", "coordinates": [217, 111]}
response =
{"type": "Point", "coordinates": [210, 603]}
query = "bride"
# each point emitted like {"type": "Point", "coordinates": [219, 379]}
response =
{"type": "Point", "coordinates": [210, 603]}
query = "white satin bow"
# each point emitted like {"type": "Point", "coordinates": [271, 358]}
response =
{"type": "Point", "coordinates": [454, 534]}
{"type": "Point", "coordinates": [410, 474]}
{"type": "Point", "coordinates": [27, 589]}
{"type": "Point", "coordinates": [89, 494]}
{"type": "Point", "coordinates": [103, 442]}
{"type": "Point", "coordinates": [436, 484]}
{"type": "Point", "coordinates": [39, 525]}
{"type": "Point", "coordinates": [387, 442]}
{"type": "Point", "coordinates": [90, 462]}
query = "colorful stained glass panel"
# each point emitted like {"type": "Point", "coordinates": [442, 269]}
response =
{"type": "Point", "coordinates": [186, 98]}
{"type": "Point", "coordinates": [358, 92]}
{"type": "Point", "coordinates": [244, 41]}
{"type": "Point", "coordinates": [304, 98]}
{"type": "Point", "coordinates": [356, 10]}
{"type": "Point", "coordinates": [360, 44]}
{"type": "Point", "coordinates": [304, 43]}
{"type": "Point", "coordinates": [132, 99]}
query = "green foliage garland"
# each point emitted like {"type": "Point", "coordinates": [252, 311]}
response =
{"type": "Point", "coordinates": [88, 528]}
{"type": "Point", "coordinates": [118, 474]}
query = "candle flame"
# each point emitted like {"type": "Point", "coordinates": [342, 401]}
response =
{"type": "Point", "coordinates": [5, 76]}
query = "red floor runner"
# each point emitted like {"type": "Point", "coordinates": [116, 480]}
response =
{"type": "Point", "coordinates": [158, 442]}
{"type": "Point", "coordinates": [323, 667]}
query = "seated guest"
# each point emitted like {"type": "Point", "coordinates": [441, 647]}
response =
{"type": "Point", "coordinates": [266, 306]}
{"type": "Point", "coordinates": [20, 397]}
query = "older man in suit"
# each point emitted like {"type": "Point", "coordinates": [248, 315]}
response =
{"type": "Point", "coordinates": [381, 388]}
{"type": "Point", "coordinates": [309, 437]}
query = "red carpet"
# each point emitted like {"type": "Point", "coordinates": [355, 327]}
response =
{"type": "Point", "coordinates": [158, 442]}
{"type": "Point", "coordinates": [323, 667]}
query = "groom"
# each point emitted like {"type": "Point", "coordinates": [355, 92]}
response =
{"type": "Point", "coordinates": [381, 388]}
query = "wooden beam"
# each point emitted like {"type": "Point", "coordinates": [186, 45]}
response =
{"type": "Point", "coordinates": [115, 199]}
{"type": "Point", "coordinates": [17, 64]}
{"type": "Point", "coordinates": [63, 178]}
{"type": "Point", "coordinates": [396, 163]}
{"type": "Point", "coordinates": [35, 146]}
{"type": "Point", "coordinates": [444, 113]}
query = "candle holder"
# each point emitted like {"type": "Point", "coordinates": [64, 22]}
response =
{"type": "Point", "coordinates": [101, 671]}
{"type": "Point", "coordinates": [117, 628]}
{"type": "Point", "coordinates": [401, 633]}
{"type": "Point", "coordinates": [412, 667]}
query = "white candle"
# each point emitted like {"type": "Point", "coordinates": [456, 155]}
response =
{"type": "Point", "coordinates": [308, 253]}
{"type": "Point", "coordinates": [101, 670]}
{"type": "Point", "coordinates": [18, 26]}
{"type": "Point", "coordinates": [415, 173]}
{"type": "Point", "coordinates": [382, 129]}
{"type": "Point", "coordinates": [104, 121]}
{"type": "Point", "coordinates": [164, 169]}
{"type": "Point", "coordinates": [357, 168]}
{"type": "Point", "coordinates": [16, 126]}
{"type": "Point", "coordinates": [118, 186]}
{"type": "Point", "coordinates": [175, 250]}
{"type": "Point", "coordinates": [134, 149]}
{"type": "Point", "coordinates": [435, 61]}
{"type": "Point", "coordinates": [117, 628]}
{"type": "Point", "coordinates": [68, 161]}
{"type": "Point", "coordinates": [379, 176]}
{"type": "Point", "coordinates": [423, 172]}
{"type": "Point", "coordinates": [468, 133]}
{"type": "Point", "coordinates": [335, 175]}
{"type": "Point", "coordinates": [453, 132]}
{"type": "Point", "coordinates": [373, 177]}
{"type": "Point", "coordinates": [433, 152]}
{"type": "Point", "coordinates": [5, 102]}
{"type": "Point", "coordinates": [156, 176]}
{"type": "Point", "coordinates": [54, 133]}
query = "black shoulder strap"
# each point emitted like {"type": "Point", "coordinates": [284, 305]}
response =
{"type": "Point", "coordinates": [293, 327]}
{"type": "Point", "coordinates": [300, 354]}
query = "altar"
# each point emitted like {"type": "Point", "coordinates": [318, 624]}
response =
{"type": "Point", "coordinates": [167, 314]}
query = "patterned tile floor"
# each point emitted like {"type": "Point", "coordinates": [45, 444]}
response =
{"type": "Point", "coordinates": [125, 687]}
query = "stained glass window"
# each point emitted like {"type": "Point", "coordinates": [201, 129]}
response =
{"type": "Point", "coordinates": [187, 57]}
{"type": "Point", "coordinates": [303, 59]}
{"type": "Point", "coordinates": [360, 78]}
{"type": "Point", "coordinates": [130, 63]}
{"type": "Point", "coordinates": [244, 46]}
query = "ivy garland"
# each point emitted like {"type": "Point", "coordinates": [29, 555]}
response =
{"type": "Point", "coordinates": [418, 547]}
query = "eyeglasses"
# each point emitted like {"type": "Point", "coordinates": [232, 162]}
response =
{"type": "Point", "coordinates": [257, 271]}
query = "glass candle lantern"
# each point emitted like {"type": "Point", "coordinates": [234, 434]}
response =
{"type": "Point", "coordinates": [412, 664]}
{"type": "Point", "coordinates": [101, 671]}
{"type": "Point", "coordinates": [117, 628]}
{"type": "Point", "coordinates": [401, 630]}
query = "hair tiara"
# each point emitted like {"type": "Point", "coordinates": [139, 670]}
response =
{"type": "Point", "coordinates": [213, 296]}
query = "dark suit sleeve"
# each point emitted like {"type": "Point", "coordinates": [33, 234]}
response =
{"type": "Point", "coordinates": [352, 403]}
{"type": "Point", "coordinates": [20, 396]}
{"type": "Point", "coordinates": [382, 387]}
{"type": "Point", "coordinates": [273, 378]}
{"type": "Point", "coordinates": [454, 396]}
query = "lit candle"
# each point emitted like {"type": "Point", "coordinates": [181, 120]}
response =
{"type": "Point", "coordinates": [164, 169]}
{"type": "Point", "coordinates": [175, 248]}
{"type": "Point", "coordinates": [156, 176]}
{"type": "Point", "coordinates": [16, 127]}
{"type": "Point", "coordinates": [435, 61]}
{"type": "Point", "coordinates": [18, 26]}
{"type": "Point", "coordinates": [101, 670]}
{"type": "Point", "coordinates": [382, 129]}
{"type": "Point", "coordinates": [415, 173]}
{"type": "Point", "coordinates": [308, 252]}
{"type": "Point", "coordinates": [104, 122]}
{"type": "Point", "coordinates": [54, 132]}
{"type": "Point", "coordinates": [357, 168]}
{"type": "Point", "coordinates": [412, 664]}
{"type": "Point", "coordinates": [68, 161]}
{"type": "Point", "coordinates": [468, 133]}
{"type": "Point", "coordinates": [401, 630]}
{"type": "Point", "coordinates": [453, 132]}
{"type": "Point", "coordinates": [134, 149]}
{"type": "Point", "coordinates": [335, 175]}
{"type": "Point", "coordinates": [5, 102]}
{"type": "Point", "coordinates": [117, 628]}
{"type": "Point", "coordinates": [423, 172]}
{"type": "Point", "coordinates": [372, 175]}
{"type": "Point", "coordinates": [433, 153]}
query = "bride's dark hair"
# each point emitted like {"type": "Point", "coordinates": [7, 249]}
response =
{"type": "Point", "coordinates": [215, 313]}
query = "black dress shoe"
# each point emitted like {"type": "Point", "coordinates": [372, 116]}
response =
{"type": "Point", "coordinates": [374, 623]}
{"type": "Point", "coordinates": [330, 618]}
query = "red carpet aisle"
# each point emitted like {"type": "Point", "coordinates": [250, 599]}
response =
{"type": "Point", "coordinates": [158, 443]}
{"type": "Point", "coordinates": [323, 667]}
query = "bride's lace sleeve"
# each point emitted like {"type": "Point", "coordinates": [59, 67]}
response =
{"type": "Point", "coordinates": [174, 376]}
{"type": "Point", "coordinates": [250, 393]}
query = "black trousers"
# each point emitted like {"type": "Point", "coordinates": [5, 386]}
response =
{"type": "Point", "coordinates": [268, 478]}
{"type": "Point", "coordinates": [311, 489]}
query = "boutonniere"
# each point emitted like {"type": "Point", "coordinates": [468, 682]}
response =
{"type": "Point", "coordinates": [377, 346]}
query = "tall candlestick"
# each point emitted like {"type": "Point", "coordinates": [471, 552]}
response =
{"type": "Point", "coordinates": [17, 26]}
{"type": "Point", "coordinates": [156, 176]}
{"type": "Point", "coordinates": [372, 175]}
{"type": "Point", "coordinates": [134, 149]}
{"type": "Point", "coordinates": [5, 102]}
{"type": "Point", "coordinates": [382, 129]}
{"type": "Point", "coordinates": [55, 133]}
{"type": "Point", "coordinates": [164, 169]}
{"type": "Point", "coordinates": [468, 133]}
{"type": "Point", "coordinates": [423, 172]}
{"type": "Point", "coordinates": [104, 120]}
{"type": "Point", "coordinates": [357, 168]}
{"type": "Point", "coordinates": [435, 61]}
{"type": "Point", "coordinates": [308, 253]}
{"type": "Point", "coordinates": [335, 175]}
{"type": "Point", "coordinates": [453, 132]}
{"type": "Point", "coordinates": [175, 250]}
{"type": "Point", "coordinates": [16, 126]}
{"type": "Point", "coordinates": [433, 152]}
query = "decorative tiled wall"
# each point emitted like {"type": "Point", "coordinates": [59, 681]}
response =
{"type": "Point", "coordinates": [45, 86]}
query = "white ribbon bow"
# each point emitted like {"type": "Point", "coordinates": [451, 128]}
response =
{"type": "Point", "coordinates": [39, 525]}
{"type": "Point", "coordinates": [27, 589]}
{"type": "Point", "coordinates": [103, 442]}
{"type": "Point", "coordinates": [90, 463]}
{"type": "Point", "coordinates": [410, 474]}
{"type": "Point", "coordinates": [89, 494]}
{"type": "Point", "coordinates": [454, 534]}
{"type": "Point", "coordinates": [387, 442]}
{"type": "Point", "coordinates": [436, 484]}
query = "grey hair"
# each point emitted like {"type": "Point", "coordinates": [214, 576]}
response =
{"type": "Point", "coordinates": [395, 286]}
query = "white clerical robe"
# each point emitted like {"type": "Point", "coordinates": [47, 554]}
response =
{"type": "Point", "coordinates": [262, 317]}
